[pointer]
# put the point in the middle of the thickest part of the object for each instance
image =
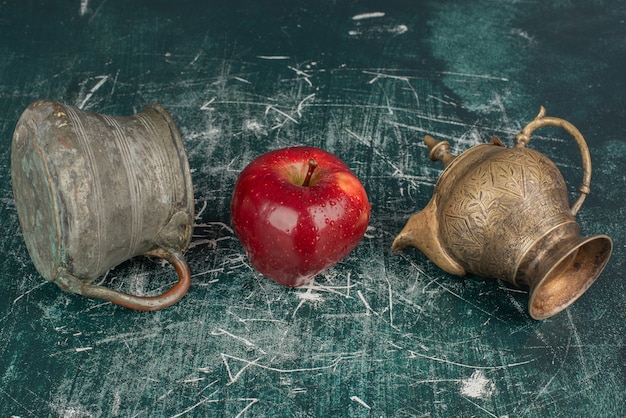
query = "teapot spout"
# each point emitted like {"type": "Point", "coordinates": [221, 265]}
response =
{"type": "Point", "coordinates": [422, 232]}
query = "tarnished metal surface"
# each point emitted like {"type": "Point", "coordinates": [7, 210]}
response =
{"type": "Point", "coordinates": [504, 213]}
{"type": "Point", "coordinates": [93, 191]}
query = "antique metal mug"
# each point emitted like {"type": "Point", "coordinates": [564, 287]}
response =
{"type": "Point", "coordinates": [504, 213]}
{"type": "Point", "coordinates": [93, 191]}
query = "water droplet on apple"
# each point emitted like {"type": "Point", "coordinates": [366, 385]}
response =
{"type": "Point", "coordinates": [333, 203]}
{"type": "Point", "coordinates": [332, 223]}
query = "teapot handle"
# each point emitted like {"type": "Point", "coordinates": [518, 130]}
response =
{"type": "Point", "coordinates": [541, 120]}
{"type": "Point", "coordinates": [147, 303]}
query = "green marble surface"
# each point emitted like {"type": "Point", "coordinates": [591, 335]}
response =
{"type": "Point", "coordinates": [382, 334]}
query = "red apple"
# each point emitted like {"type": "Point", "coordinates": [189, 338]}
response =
{"type": "Point", "coordinates": [298, 211]}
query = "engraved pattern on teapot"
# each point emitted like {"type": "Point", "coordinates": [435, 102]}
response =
{"type": "Point", "coordinates": [512, 177]}
{"type": "Point", "coordinates": [504, 213]}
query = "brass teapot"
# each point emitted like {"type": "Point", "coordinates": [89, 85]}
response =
{"type": "Point", "coordinates": [504, 213]}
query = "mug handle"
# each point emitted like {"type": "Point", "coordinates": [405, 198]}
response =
{"type": "Point", "coordinates": [147, 303]}
{"type": "Point", "coordinates": [541, 120]}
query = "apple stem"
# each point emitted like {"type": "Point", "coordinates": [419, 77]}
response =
{"type": "Point", "coordinates": [309, 173]}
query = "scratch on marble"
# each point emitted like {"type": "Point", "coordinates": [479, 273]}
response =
{"type": "Point", "coordinates": [195, 58]}
{"type": "Point", "coordinates": [426, 131]}
{"type": "Point", "coordinates": [28, 291]}
{"type": "Point", "coordinates": [360, 401]}
{"type": "Point", "coordinates": [406, 79]}
{"type": "Point", "coordinates": [367, 305]}
{"type": "Point", "coordinates": [207, 386]}
{"type": "Point", "coordinates": [210, 271]}
{"type": "Point", "coordinates": [414, 354]}
{"type": "Point", "coordinates": [579, 344]}
{"type": "Point", "coordinates": [193, 380]}
{"type": "Point", "coordinates": [243, 80]}
{"type": "Point", "coordinates": [390, 298]}
{"type": "Point", "coordinates": [273, 57]}
{"type": "Point", "coordinates": [307, 296]}
{"type": "Point", "coordinates": [545, 387]}
{"type": "Point", "coordinates": [103, 79]}
{"type": "Point", "coordinates": [302, 74]}
{"type": "Point", "coordinates": [369, 15]}
{"type": "Point", "coordinates": [84, 7]}
{"type": "Point", "coordinates": [199, 213]}
{"type": "Point", "coordinates": [391, 343]}
{"type": "Point", "coordinates": [211, 243]}
{"type": "Point", "coordinates": [255, 363]}
{"type": "Point", "coordinates": [271, 107]}
{"type": "Point", "coordinates": [117, 74]}
{"type": "Point", "coordinates": [300, 106]}
{"type": "Point", "coordinates": [440, 100]}
{"type": "Point", "coordinates": [518, 306]}
{"type": "Point", "coordinates": [398, 172]}
{"type": "Point", "coordinates": [165, 395]}
{"type": "Point", "coordinates": [96, 306]}
{"type": "Point", "coordinates": [205, 106]}
{"type": "Point", "coordinates": [247, 342]}
{"type": "Point", "coordinates": [192, 407]}
{"type": "Point", "coordinates": [252, 402]}
{"type": "Point", "coordinates": [475, 306]}
{"type": "Point", "coordinates": [314, 285]}
{"type": "Point", "coordinates": [426, 381]}
{"type": "Point", "coordinates": [220, 224]}
{"type": "Point", "coordinates": [481, 408]}
{"type": "Point", "coordinates": [139, 335]}
{"type": "Point", "coordinates": [8, 395]}
{"type": "Point", "coordinates": [237, 261]}
{"type": "Point", "coordinates": [469, 75]}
